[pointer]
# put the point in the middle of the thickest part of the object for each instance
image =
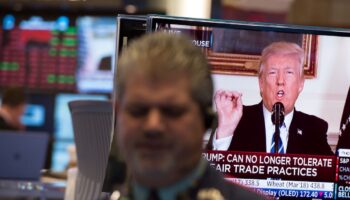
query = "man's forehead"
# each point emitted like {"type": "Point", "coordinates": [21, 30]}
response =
{"type": "Point", "coordinates": [285, 67]}
{"type": "Point", "coordinates": [157, 79]}
{"type": "Point", "coordinates": [282, 56]}
{"type": "Point", "coordinates": [283, 60]}
{"type": "Point", "coordinates": [145, 86]}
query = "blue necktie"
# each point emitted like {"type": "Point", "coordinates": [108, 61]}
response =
{"type": "Point", "coordinates": [280, 144]}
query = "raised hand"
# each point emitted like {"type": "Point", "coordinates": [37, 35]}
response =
{"type": "Point", "coordinates": [230, 109]}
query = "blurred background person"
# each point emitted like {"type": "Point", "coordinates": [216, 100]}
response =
{"type": "Point", "coordinates": [12, 108]}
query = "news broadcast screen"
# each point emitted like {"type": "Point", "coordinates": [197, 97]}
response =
{"type": "Point", "coordinates": [309, 165]}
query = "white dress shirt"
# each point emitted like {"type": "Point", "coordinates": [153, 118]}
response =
{"type": "Point", "coordinates": [270, 129]}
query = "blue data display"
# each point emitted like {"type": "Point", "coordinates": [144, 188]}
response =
{"type": "Point", "coordinates": [296, 193]}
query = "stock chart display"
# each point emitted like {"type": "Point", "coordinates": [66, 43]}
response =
{"type": "Point", "coordinates": [38, 54]}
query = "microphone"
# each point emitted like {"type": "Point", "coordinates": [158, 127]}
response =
{"type": "Point", "coordinates": [277, 116]}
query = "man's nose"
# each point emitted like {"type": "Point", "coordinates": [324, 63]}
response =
{"type": "Point", "coordinates": [154, 119]}
{"type": "Point", "coordinates": [280, 79]}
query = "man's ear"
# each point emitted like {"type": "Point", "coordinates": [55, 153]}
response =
{"type": "Point", "coordinates": [301, 86]}
{"type": "Point", "coordinates": [261, 82]}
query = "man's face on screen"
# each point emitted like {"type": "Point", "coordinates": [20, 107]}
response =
{"type": "Point", "coordinates": [160, 129]}
{"type": "Point", "coordinates": [281, 81]}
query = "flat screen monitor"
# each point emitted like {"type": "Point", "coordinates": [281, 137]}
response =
{"type": "Point", "coordinates": [129, 28]}
{"type": "Point", "coordinates": [38, 114]}
{"type": "Point", "coordinates": [233, 49]}
{"type": "Point", "coordinates": [96, 36]}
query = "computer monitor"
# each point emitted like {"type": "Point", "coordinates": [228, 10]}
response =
{"type": "Point", "coordinates": [233, 49]}
{"type": "Point", "coordinates": [38, 115]}
{"type": "Point", "coordinates": [96, 35]}
{"type": "Point", "coordinates": [22, 155]}
{"type": "Point", "coordinates": [129, 28]}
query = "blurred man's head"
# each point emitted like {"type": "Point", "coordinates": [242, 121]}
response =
{"type": "Point", "coordinates": [281, 75]}
{"type": "Point", "coordinates": [14, 100]}
{"type": "Point", "coordinates": [164, 90]}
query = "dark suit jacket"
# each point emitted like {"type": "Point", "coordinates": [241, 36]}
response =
{"type": "Point", "coordinates": [307, 133]}
{"type": "Point", "coordinates": [344, 140]}
{"type": "Point", "coordinates": [212, 180]}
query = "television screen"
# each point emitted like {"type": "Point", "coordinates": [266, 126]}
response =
{"type": "Point", "coordinates": [34, 115]}
{"type": "Point", "coordinates": [129, 28]}
{"type": "Point", "coordinates": [308, 167]}
{"type": "Point", "coordinates": [96, 36]}
{"type": "Point", "coordinates": [38, 115]}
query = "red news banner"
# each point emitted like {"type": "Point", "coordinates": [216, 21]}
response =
{"type": "Point", "coordinates": [263, 165]}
